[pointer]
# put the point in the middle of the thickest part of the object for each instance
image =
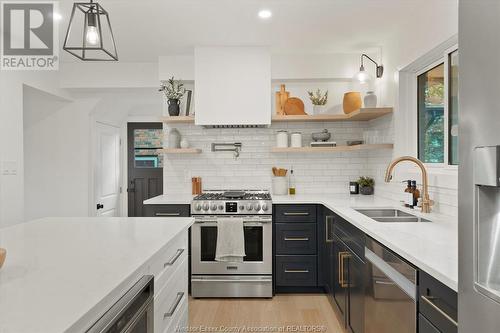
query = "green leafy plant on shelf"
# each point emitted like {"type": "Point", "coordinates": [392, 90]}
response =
{"type": "Point", "coordinates": [173, 89]}
{"type": "Point", "coordinates": [318, 98]}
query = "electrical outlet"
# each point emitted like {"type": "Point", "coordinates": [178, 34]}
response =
{"type": "Point", "coordinates": [9, 168]}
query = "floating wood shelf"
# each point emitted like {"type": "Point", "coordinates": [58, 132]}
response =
{"type": "Point", "coordinates": [363, 114]}
{"type": "Point", "coordinates": [179, 151]}
{"type": "Point", "coordinates": [178, 120]}
{"type": "Point", "coordinates": [337, 149]}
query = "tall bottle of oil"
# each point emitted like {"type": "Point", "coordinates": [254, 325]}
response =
{"type": "Point", "coordinates": [291, 183]}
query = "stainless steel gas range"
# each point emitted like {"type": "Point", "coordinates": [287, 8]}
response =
{"type": "Point", "coordinates": [253, 276]}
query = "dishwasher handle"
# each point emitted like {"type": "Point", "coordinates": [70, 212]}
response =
{"type": "Point", "coordinates": [401, 281]}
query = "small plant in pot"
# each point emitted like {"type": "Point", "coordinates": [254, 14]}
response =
{"type": "Point", "coordinates": [173, 90]}
{"type": "Point", "coordinates": [366, 185]}
{"type": "Point", "coordinates": [319, 101]}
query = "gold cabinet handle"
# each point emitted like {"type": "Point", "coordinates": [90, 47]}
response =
{"type": "Point", "coordinates": [296, 214]}
{"type": "Point", "coordinates": [342, 256]}
{"type": "Point", "coordinates": [297, 239]}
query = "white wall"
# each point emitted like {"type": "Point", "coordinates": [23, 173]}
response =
{"type": "Point", "coordinates": [56, 155]}
{"type": "Point", "coordinates": [11, 136]}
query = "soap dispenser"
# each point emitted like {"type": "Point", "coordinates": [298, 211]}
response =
{"type": "Point", "coordinates": [408, 195]}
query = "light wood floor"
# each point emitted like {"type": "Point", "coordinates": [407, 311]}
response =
{"type": "Point", "coordinates": [282, 310]}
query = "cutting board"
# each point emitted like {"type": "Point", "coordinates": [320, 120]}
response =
{"type": "Point", "coordinates": [294, 106]}
{"type": "Point", "coordinates": [281, 97]}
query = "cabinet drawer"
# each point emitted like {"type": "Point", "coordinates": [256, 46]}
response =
{"type": "Point", "coordinates": [166, 261]}
{"type": "Point", "coordinates": [295, 238]}
{"type": "Point", "coordinates": [424, 326]}
{"type": "Point", "coordinates": [299, 271]}
{"type": "Point", "coordinates": [437, 303]}
{"type": "Point", "coordinates": [167, 210]}
{"type": "Point", "coordinates": [350, 235]}
{"type": "Point", "coordinates": [295, 213]}
{"type": "Point", "coordinates": [170, 297]}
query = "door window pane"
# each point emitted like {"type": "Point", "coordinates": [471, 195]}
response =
{"type": "Point", "coordinates": [431, 115]}
{"type": "Point", "coordinates": [453, 108]}
{"type": "Point", "coordinates": [146, 144]}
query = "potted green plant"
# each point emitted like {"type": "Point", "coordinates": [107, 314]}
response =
{"type": "Point", "coordinates": [366, 185]}
{"type": "Point", "coordinates": [173, 90]}
{"type": "Point", "coordinates": [319, 101]}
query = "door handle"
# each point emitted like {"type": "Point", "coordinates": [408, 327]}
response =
{"type": "Point", "coordinates": [428, 300]}
{"type": "Point", "coordinates": [100, 206]}
{"type": "Point", "coordinates": [174, 258]}
{"type": "Point", "coordinates": [328, 220]}
{"type": "Point", "coordinates": [342, 256]}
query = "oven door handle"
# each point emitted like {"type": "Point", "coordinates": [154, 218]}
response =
{"type": "Point", "coordinates": [245, 223]}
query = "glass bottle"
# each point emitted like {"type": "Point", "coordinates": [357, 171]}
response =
{"type": "Point", "coordinates": [291, 183]}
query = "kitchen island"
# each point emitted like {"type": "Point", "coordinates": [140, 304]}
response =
{"type": "Point", "coordinates": [62, 274]}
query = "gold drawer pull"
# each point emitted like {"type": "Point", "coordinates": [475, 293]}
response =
{"type": "Point", "coordinates": [296, 271]}
{"type": "Point", "coordinates": [297, 239]}
{"type": "Point", "coordinates": [342, 256]}
{"type": "Point", "coordinates": [296, 213]}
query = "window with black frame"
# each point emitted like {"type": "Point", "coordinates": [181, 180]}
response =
{"type": "Point", "coordinates": [437, 100]}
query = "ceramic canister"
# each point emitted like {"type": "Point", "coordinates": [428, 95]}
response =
{"type": "Point", "coordinates": [296, 139]}
{"type": "Point", "coordinates": [282, 139]}
{"type": "Point", "coordinates": [370, 100]}
{"type": "Point", "coordinates": [174, 138]}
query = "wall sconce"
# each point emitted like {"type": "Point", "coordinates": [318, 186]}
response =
{"type": "Point", "coordinates": [362, 76]}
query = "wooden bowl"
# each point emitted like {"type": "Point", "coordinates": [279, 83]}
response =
{"type": "Point", "coordinates": [352, 102]}
{"type": "Point", "coordinates": [3, 254]}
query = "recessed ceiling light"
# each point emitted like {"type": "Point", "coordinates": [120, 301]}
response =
{"type": "Point", "coordinates": [265, 14]}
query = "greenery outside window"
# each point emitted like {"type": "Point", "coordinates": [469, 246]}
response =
{"type": "Point", "coordinates": [437, 105]}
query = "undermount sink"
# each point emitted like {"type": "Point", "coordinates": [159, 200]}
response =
{"type": "Point", "coordinates": [390, 215]}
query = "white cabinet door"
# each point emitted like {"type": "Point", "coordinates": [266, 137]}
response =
{"type": "Point", "coordinates": [232, 86]}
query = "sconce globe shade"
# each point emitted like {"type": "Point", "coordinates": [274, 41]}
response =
{"type": "Point", "coordinates": [362, 77]}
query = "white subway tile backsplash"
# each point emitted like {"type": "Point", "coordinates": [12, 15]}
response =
{"type": "Point", "coordinates": [321, 173]}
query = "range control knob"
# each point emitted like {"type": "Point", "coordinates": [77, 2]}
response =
{"type": "Point", "coordinates": [249, 206]}
{"type": "Point", "coordinates": [242, 208]}
{"type": "Point", "coordinates": [256, 206]}
{"type": "Point", "coordinates": [221, 207]}
{"type": "Point", "coordinates": [213, 206]}
{"type": "Point", "coordinates": [197, 206]}
{"type": "Point", "coordinates": [205, 206]}
{"type": "Point", "coordinates": [265, 207]}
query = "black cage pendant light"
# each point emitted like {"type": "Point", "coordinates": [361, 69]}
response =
{"type": "Point", "coordinates": [95, 42]}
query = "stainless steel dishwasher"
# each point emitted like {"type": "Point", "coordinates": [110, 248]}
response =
{"type": "Point", "coordinates": [390, 296]}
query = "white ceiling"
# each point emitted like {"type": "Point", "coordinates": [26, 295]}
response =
{"type": "Point", "coordinates": [146, 29]}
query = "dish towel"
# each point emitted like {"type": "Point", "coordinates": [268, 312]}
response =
{"type": "Point", "coordinates": [230, 240]}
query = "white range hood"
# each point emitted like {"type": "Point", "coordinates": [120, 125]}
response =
{"type": "Point", "coordinates": [232, 86]}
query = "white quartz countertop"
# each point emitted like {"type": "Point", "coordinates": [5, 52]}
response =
{"type": "Point", "coordinates": [62, 272]}
{"type": "Point", "coordinates": [170, 199]}
{"type": "Point", "coordinates": [433, 247]}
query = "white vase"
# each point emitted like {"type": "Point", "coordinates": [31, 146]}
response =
{"type": "Point", "coordinates": [319, 109]}
{"type": "Point", "coordinates": [184, 143]}
{"type": "Point", "coordinates": [370, 100]}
